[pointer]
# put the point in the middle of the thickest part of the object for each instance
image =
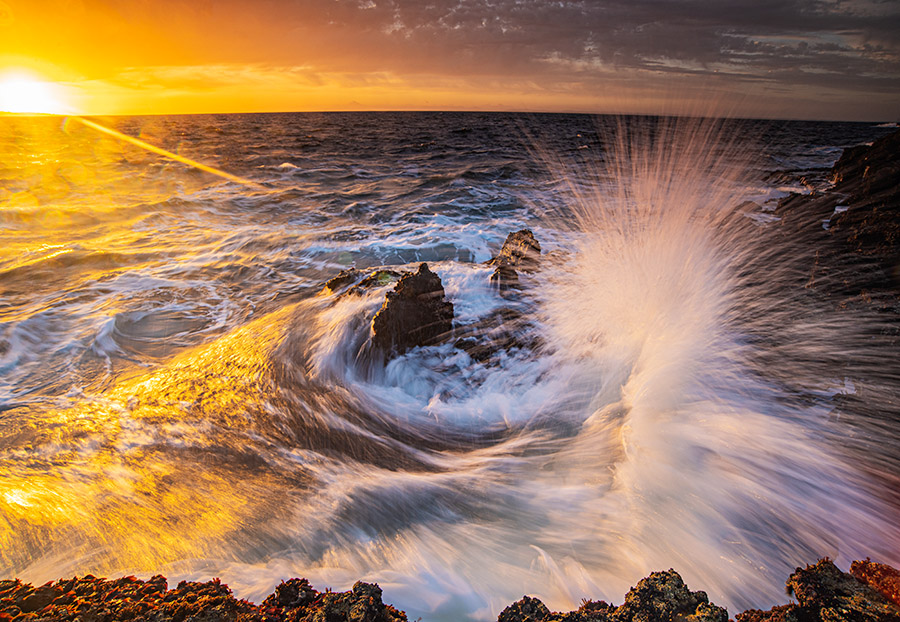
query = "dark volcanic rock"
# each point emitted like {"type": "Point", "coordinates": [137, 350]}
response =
{"type": "Point", "coordinates": [375, 279]}
{"type": "Point", "coordinates": [865, 165]}
{"type": "Point", "coordinates": [292, 593]}
{"type": "Point", "coordinates": [856, 224]}
{"type": "Point", "coordinates": [520, 251]}
{"type": "Point", "coordinates": [869, 178]}
{"type": "Point", "coordinates": [414, 314]}
{"type": "Point", "coordinates": [361, 604]}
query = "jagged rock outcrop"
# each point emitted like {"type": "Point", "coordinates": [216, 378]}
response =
{"type": "Point", "coordinates": [856, 223]}
{"type": "Point", "coordinates": [520, 251]}
{"type": "Point", "coordinates": [869, 178]}
{"type": "Point", "coordinates": [414, 313]}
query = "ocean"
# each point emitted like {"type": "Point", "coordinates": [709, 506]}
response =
{"type": "Point", "coordinates": [179, 395]}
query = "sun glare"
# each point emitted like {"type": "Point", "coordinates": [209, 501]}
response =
{"type": "Point", "coordinates": [25, 93]}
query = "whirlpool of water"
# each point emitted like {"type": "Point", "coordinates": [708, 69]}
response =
{"type": "Point", "coordinates": [180, 395]}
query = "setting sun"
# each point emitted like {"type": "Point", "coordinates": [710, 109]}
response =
{"type": "Point", "coordinates": [21, 92]}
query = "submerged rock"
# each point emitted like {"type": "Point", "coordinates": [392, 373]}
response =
{"type": "Point", "coordinates": [343, 279]}
{"type": "Point", "coordinates": [414, 313]}
{"type": "Point", "coordinates": [353, 281]}
{"type": "Point", "coordinates": [503, 331]}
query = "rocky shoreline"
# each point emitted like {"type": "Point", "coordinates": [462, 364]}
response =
{"type": "Point", "coordinates": [870, 592]}
{"type": "Point", "coordinates": [857, 222]}
{"type": "Point", "coordinates": [855, 226]}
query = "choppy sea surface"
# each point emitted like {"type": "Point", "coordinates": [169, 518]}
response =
{"type": "Point", "coordinates": [178, 394]}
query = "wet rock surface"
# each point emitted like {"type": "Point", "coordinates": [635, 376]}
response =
{"type": "Point", "coordinates": [857, 221]}
{"type": "Point", "coordinates": [353, 281]}
{"type": "Point", "coordinates": [414, 313]}
{"type": "Point", "coordinates": [520, 252]}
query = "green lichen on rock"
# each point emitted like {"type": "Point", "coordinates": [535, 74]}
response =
{"type": "Point", "coordinates": [663, 597]}
{"type": "Point", "coordinates": [526, 610]}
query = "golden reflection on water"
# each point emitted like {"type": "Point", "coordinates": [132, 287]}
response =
{"type": "Point", "coordinates": [146, 474]}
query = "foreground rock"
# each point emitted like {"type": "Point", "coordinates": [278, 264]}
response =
{"type": "Point", "coordinates": [826, 594]}
{"type": "Point", "coordinates": [414, 313]}
{"type": "Point", "coordinates": [661, 597]}
{"type": "Point", "coordinates": [99, 600]}
{"type": "Point", "coordinates": [823, 593]}
{"type": "Point", "coordinates": [880, 577]}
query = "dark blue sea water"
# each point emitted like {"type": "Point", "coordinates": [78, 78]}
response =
{"type": "Point", "coordinates": [179, 396]}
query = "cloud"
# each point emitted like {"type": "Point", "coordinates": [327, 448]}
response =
{"type": "Point", "coordinates": [799, 46]}
{"type": "Point", "coordinates": [780, 42]}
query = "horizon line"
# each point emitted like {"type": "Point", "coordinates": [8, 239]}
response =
{"type": "Point", "coordinates": [444, 111]}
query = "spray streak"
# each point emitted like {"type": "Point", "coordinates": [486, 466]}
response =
{"type": "Point", "coordinates": [160, 151]}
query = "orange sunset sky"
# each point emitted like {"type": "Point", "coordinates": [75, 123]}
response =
{"type": "Point", "coordinates": [812, 59]}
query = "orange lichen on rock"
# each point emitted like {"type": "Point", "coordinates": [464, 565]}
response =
{"type": "Point", "coordinates": [99, 600]}
{"type": "Point", "coordinates": [882, 578]}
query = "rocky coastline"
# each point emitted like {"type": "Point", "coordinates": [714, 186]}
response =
{"type": "Point", "coordinates": [855, 226]}
{"type": "Point", "coordinates": [857, 221]}
{"type": "Point", "coordinates": [870, 592]}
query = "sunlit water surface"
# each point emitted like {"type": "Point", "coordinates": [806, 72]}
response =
{"type": "Point", "coordinates": [177, 396]}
